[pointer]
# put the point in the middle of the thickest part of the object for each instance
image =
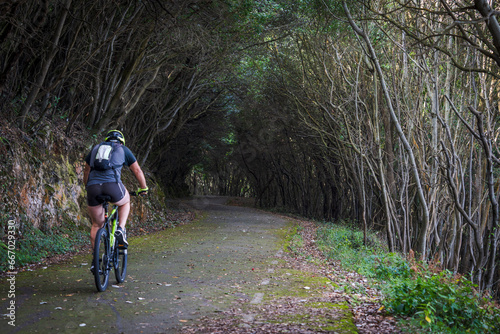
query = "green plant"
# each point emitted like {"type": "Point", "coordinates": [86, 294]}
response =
{"type": "Point", "coordinates": [391, 266]}
{"type": "Point", "coordinates": [346, 243]}
{"type": "Point", "coordinates": [435, 300]}
{"type": "Point", "coordinates": [443, 303]}
{"type": "Point", "coordinates": [4, 141]}
{"type": "Point", "coordinates": [33, 244]}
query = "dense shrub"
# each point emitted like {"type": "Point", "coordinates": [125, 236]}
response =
{"type": "Point", "coordinates": [436, 300]}
{"type": "Point", "coordinates": [442, 302]}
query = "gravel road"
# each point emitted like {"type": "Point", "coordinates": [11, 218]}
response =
{"type": "Point", "coordinates": [176, 276]}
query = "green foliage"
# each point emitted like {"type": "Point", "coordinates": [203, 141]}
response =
{"type": "Point", "coordinates": [436, 301]}
{"type": "Point", "coordinates": [443, 303]}
{"type": "Point", "coordinates": [33, 244]}
{"type": "Point", "coordinates": [391, 265]}
{"type": "Point", "coordinates": [345, 243]}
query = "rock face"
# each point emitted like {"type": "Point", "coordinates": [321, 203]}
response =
{"type": "Point", "coordinates": [53, 194]}
{"type": "Point", "coordinates": [41, 180]}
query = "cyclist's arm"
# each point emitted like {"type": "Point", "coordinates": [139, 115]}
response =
{"type": "Point", "coordinates": [139, 175]}
{"type": "Point", "coordinates": [86, 173]}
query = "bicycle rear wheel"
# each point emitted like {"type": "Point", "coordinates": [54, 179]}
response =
{"type": "Point", "coordinates": [120, 263]}
{"type": "Point", "coordinates": [101, 260]}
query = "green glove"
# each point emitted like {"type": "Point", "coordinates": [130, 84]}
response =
{"type": "Point", "coordinates": [142, 192]}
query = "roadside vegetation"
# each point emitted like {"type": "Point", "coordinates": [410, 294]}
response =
{"type": "Point", "coordinates": [35, 244]}
{"type": "Point", "coordinates": [430, 298]}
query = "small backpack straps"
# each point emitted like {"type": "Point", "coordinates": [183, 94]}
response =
{"type": "Point", "coordinates": [101, 158]}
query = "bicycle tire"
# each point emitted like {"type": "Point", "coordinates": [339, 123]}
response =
{"type": "Point", "coordinates": [120, 263]}
{"type": "Point", "coordinates": [101, 260]}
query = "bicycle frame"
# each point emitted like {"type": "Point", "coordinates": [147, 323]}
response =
{"type": "Point", "coordinates": [113, 217]}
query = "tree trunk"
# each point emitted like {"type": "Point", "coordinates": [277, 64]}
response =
{"type": "Point", "coordinates": [46, 65]}
{"type": "Point", "coordinates": [421, 247]}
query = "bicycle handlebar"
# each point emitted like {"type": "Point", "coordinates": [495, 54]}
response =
{"type": "Point", "coordinates": [138, 193]}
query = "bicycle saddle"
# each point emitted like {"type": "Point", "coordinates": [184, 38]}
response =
{"type": "Point", "coordinates": [103, 198]}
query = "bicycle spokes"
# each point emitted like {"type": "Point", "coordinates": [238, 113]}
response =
{"type": "Point", "coordinates": [101, 260]}
{"type": "Point", "coordinates": [120, 264]}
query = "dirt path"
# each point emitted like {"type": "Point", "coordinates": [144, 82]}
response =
{"type": "Point", "coordinates": [231, 260]}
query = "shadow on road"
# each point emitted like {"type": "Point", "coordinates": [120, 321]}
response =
{"type": "Point", "coordinates": [174, 277]}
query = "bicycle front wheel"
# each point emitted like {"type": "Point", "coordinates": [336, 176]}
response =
{"type": "Point", "coordinates": [101, 260]}
{"type": "Point", "coordinates": [120, 262]}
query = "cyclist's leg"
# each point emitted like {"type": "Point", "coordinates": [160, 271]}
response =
{"type": "Point", "coordinates": [123, 209]}
{"type": "Point", "coordinates": [97, 217]}
{"type": "Point", "coordinates": [95, 210]}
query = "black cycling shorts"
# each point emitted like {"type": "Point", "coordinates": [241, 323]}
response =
{"type": "Point", "coordinates": [115, 190]}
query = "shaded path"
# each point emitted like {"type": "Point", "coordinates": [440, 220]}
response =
{"type": "Point", "coordinates": [174, 277]}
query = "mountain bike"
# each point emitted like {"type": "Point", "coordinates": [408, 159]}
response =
{"type": "Point", "coordinates": [107, 252]}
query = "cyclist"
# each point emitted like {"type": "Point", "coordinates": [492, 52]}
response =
{"type": "Point", "coordinates": [99, 181]}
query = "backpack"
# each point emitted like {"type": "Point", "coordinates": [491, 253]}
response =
{"type": "Point", "coordinates": [101, 157]}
